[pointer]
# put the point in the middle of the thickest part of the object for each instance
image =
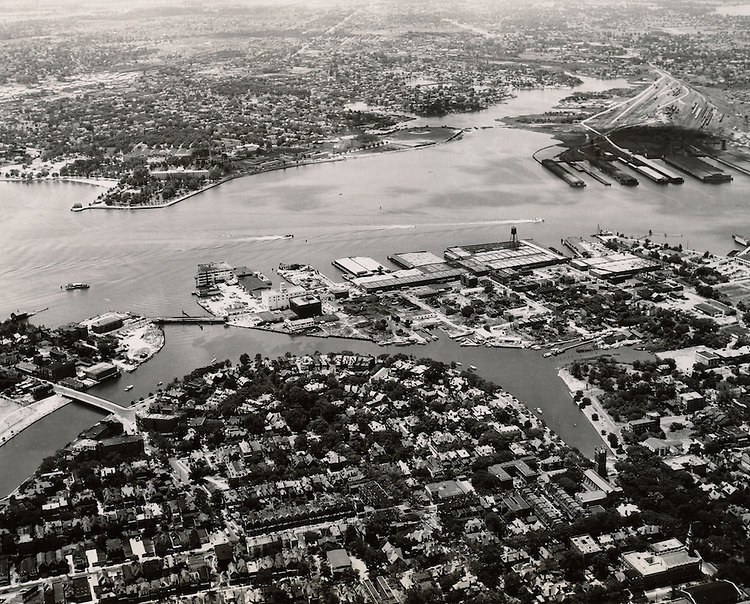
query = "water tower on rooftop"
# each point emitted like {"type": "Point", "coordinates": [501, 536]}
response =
{"type": "Point", "coordinates": [513, 238]}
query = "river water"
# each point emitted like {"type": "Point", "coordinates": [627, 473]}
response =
{"type": "Point", "coordinates": [734, 10]}
{"type": "Point", "coordinates": [461, 192]}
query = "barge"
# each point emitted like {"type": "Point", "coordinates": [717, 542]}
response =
{"type": "Point", "coordinates": [646, 171]}
{"type": "Point", "coordinates": [614, 172]}
{"type": "Point", "coordinates": [559, 171]}
{"type": "Point", "coordinates": [697, 168]}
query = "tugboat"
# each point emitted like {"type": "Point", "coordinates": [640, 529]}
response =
{"type": "Point", "coordinates": [72, 286]}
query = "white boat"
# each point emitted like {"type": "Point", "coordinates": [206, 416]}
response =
{"type": "Point", "coordinates": [213, 360]}
{"type": "Point", "coordinates": [473, 367]}
{"type": "Point", "coordinates": [741, 239]}
{"type": "Point", "coordinates": [539, 411]}
{"type": "Point", "coordinates": [160, 383]}
{"type": "Point", "coordinates": [128, 388]}
{"type": "Point", "coordinates": [78, 285]}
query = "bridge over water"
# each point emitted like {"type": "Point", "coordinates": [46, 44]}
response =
{"type": "Point", "coordinates": [17, 422]}
{"type": "Point", "coordinates": [126, 413]}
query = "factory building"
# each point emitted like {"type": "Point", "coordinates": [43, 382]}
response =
{"type": "Point", "coordinates": [306, 307]}
{"type": "Point", "coordinates": [278, 299]}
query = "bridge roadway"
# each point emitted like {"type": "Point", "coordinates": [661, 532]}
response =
{"type": "Point", "coordinates": [126, 413]}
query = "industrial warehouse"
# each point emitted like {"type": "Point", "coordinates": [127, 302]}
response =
{"type": "Point", "coordinates": [513, 255]}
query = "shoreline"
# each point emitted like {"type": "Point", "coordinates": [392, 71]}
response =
{"type": "Point", "coordinates": [167, 204]}
{"type": "Point", "coordinates": [15, 422]}
{"type": "Point", "coordinates": [302, 334]}
{"type": "Point", "coordinates": [605, 421]}
{"type": "Point", "coordinates": [107, 183]}
{"type": "Point", "coordinates": [342, 157]}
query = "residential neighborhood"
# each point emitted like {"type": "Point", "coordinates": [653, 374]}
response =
{"type": "Point", "coordinates": [350, 478]}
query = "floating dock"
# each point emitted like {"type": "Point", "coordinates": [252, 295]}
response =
{"type": "Point", "coordinates": [614, 172]}
{"type": "Point", "coordinates": [649, 173]}
{"type": "Point", "coordinates": [575, 166]}
{"type": "Point", "coordinates": [594, 175]}
{"type": "Point", "coordinates": [661, 168]}
{"type": "Point", "coordinates": [697, 168]}
{"type": "Point", "coordinates": [736, 162]}
{"type": "Point", "coordinates": [558, 170]}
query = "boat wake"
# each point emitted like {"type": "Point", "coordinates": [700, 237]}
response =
{"type": "Point", "coordinates": [485, 222]}
{"type": "Point", "coordinates": [260, 238]}
{"type": "Point", "coordinates": [387, 227]}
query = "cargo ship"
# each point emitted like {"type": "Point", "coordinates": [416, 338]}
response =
{"type": "Point", "coordinates": [71, 286]}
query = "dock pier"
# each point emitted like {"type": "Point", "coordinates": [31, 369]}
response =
{"type": "Point", "coordinates": [594, 175]}
{"type": "Point", "coordinates": [191, 320]}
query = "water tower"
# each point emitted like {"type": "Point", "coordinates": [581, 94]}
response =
{"type": "Point", "coordinates": [513, 238]}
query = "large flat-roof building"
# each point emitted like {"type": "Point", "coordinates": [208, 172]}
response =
{"type": "Point", "coordinates": [516, 255]}
{"type": "Point", "coordinates": [447, 489]}
{"type": "Point", "coordinates": [665, 564]}
{"type": "Point", "coordinates": [499, 472]}
{"type": "Point", "coordinates": [278, 299]}
{"type": "Point", "coordinates": [252, 281]}
{"type": "Point", "coordinates": [615, 267]}
{"type": "Point", "coordinates": [414, 277]}
{"type": "Point", "coordinates": [212, 273]}
{"type": "Point", "coordinates": [106, 323]}
{"type": "Point", "coordinates": [359, 266]}
{"type": "Point", "coordinates": [414, 259]}
{"type": "Point", "coordinates": [101, 371]}
{"type": "Point", "coordinates": [306, 307]}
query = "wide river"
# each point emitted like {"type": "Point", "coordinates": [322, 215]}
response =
{"type": "Point", "coordinates": [428, 199]}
